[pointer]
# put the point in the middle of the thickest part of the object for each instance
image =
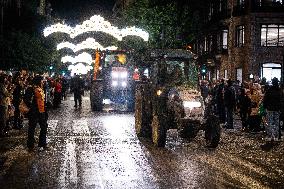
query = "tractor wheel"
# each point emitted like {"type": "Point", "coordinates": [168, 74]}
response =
{"type": "Point", "coordinates": [212, 132]}
{"type": "Point", "coordinates": [188, 130]}
{"type": "Point", "coordinates": [142, 114]}
{"type": "Point", "coordinates": [159, 132]}
{"type": "Point", "coordinates": [97, 96]}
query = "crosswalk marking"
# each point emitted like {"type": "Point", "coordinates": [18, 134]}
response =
{"type": "Point", "coordinates": [81, 127]}
{"type": "Point", "coordinates": [83, 98]}
{"type": "Point", "coordinates": [52, 124]}
{"type": "Point", "coordinates": [69, 172]}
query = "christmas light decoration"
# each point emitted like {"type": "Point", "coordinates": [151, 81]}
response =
{"type": "Point", "coordinates": [83, 57]}
{"type": "Point", "coordinates": [79, 69]}
{"type": "Point", "coordinates": [89, 43]}
{"type": "Point", "coordinates": [96, 24]}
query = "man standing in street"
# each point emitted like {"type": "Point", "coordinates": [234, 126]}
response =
{"type": "Point", "coordinates": [77, 87]}
{"type": "Point", "coordinates": [35, 100]}
{"type": "Point", "coordinates": [230, 103]}
{"type": "Point", "coordinates": [273, 103]}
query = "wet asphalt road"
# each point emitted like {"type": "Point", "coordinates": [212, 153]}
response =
{"type": "Point", "coordinates": [101, 150]}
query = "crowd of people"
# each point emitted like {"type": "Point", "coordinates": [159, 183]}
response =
{"type": "Point", "coordinates": [24, 95]}
{"type": "Point", "coordinates": [259, 105]}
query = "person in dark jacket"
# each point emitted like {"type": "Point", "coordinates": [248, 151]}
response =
{"type": "Point", "coordinates": [244, 106]}
{"type": "Point", "coordinates": [77, 86]}
{"type": "Point", "coordinates": [35, 100]}
{"type": "Point", "coordinates": [17, 97]}
{"type": "Point", "coordinates": [230, 103]}
{"type": "Point", "coordinates": [220, 102]}
{"type": "Point", "coordinates": [273, 102]}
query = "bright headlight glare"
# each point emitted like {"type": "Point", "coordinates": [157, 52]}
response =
{"type": "Point", "coordinates": [114, 83]}
{"type": "Point", "coordinates": [114, 74]}
{"type": "Point", "coordinates": [159, 92]}
{"type": "Point", "coordinates": [191, 104]}
{"type": "Point", "coordinates": [123, 84]}
{"type": "Point", "coordinates": [123, 74]}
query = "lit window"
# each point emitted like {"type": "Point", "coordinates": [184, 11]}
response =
{"type": "Point", "coordinates": [241, 3]}
{"type": "Point", "coordinates": [240, 36]}
{"type": "Point", "coordinates": [225, 39]}
{"type": "Point", "coordinates": [272, 35]}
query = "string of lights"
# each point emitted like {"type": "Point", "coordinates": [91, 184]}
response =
{"type": "Point", "coordinates": [83, 57]}
{"type": "Point", "coordinates": [89, 43]}
{"type": "Point", "coordinates": [96, 24]}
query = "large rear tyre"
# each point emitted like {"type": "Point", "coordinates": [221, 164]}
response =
{"type": "Point", "coordinates": [96, 96]}
{"type": "Point", "coordinates": [143, 113]}
{"type": "Point", "coordinates": [212, 132]}
{"type": "Point", "coordinates": [188, 130]}
{"type": "Point", "coordinates": [159, 132]}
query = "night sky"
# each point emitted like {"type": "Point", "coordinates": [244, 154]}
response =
{"type": "Point", "coordinates": [79, 10]}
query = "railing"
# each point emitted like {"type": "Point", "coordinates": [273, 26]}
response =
{"type": "Point", "coordinates": [268, 7]}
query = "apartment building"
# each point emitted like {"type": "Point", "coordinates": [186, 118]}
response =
{"type": "Point", "coordinates": [242, 39]}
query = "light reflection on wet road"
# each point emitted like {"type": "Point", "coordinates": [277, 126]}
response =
{"type": "Point", "coordinates": [101, 150]}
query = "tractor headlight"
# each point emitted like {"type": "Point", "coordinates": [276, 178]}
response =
{"type": "Point", "coordinates": [191, 104]}
{"type": "Point", "coordinates": [114, 83]}
{"type": "Point", "coordinates": [123, 84]}
{"type": "Point", "coordinates": [114, 74]}
{"type": "Point", "coordinates": [123, 75]}
{"type": "Point", "coordinates": [159, 92]}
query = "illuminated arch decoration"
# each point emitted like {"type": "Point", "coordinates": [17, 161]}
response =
{"type": "Point", "coordinates": [83, 57]}
{"type": "Point", "coordinates": [96, 24]}
{"type": "Point", "coordinates": [79, 68]}
{"type": "Point", "coordinates": [89, 43]}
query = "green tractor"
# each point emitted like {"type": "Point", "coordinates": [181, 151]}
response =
{"type": "Point", "coordinates": [169, 99]}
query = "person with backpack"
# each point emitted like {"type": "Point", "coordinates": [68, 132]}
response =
{"type": "Point", "coordinates": [35, 100]}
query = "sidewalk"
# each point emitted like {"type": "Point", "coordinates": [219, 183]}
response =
{"type": "Point", "coordinates": [13, 140]}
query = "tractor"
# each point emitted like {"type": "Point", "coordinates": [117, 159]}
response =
{"type": "Point", "coordinates": [170, 99]}
{"type": "Point", "coordinates": [112, 86]}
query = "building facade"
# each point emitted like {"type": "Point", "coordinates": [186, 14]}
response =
{"type": "Point", "coordinates": [242, 40]}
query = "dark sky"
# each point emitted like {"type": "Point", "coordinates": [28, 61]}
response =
{"type": "Point", "coordinates": [75, 10]}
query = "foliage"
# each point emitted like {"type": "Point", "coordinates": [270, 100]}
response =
{"type": "Point", "coordinates": [167, 23]}
{"type": "Point", "coordinates": [21, 50]}
{"type": "Point", "coordinates": [22, 43]}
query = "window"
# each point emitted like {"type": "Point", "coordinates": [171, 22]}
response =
{"type": "Point", "coordinates": [211, 9]}
{"type": "Point", "coordinates": [272, 35]}
{"type": "Point", "coordinates": [241, 3]}
{"type": "Point", "coordinates": [271, 70]}
{"type": "Point", "coordinates": [240, 36]}
{"type": "Point", "coordinates": [278, 1]}
{"type": "Point", "coordinates": [205, 44]}
{"type": "Point", "coordinates": [225, 39]}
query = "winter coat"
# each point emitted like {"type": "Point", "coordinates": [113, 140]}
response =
{"type": "Point", "coordinates": [230, 97]}
{"type": "Point", "coordinates": [4, 95]}
{"type": "Point", "coordinates": [244, 103]}
{"type": "Point", "coordinates": [256, 99]}
{"type": "Point", "coordinates": [273, 99]}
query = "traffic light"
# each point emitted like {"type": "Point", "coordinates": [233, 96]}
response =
{"type": "Point", "coordinates": [203, 70]}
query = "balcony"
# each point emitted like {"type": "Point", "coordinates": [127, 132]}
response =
{"type": "Point", "coordinates": [268, 7]}
{"type": "Point", "coordinates": [218, 16]}
{"type": "Point", "coordinates": [239, 10]}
